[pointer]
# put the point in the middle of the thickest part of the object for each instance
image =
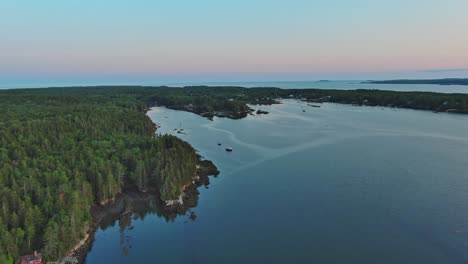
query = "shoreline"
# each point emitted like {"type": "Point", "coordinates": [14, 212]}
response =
{"type": "Point", "coordinates": [118, 207]}
{"type": "Point", "coordinates": [82, 248]}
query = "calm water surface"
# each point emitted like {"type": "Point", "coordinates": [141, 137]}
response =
{"type": "Point", "coordinates": [336, 184]}
{"type": "Point", "coordinates": [340, 85]}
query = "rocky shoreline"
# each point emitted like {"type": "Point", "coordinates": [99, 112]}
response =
{"type": "Point", "coordinates": [112, 211]}
{"type": "Point", "coordinates": [98, 212]}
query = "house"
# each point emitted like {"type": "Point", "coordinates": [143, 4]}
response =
{"type": "Point", "coordinates": [35, 258]}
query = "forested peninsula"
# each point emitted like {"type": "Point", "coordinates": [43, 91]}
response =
{"type": "Point", "coordinates": [64, 151]}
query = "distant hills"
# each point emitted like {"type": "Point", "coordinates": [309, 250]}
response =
{"type": "Point", "coordinates": [448, 81]}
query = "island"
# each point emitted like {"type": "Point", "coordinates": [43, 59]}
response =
{"type": "Point", "coordinates": [67, 153]}
{"type": "Point", "coordinates": [446, 81]}
{"type": "Point", "coordinates": [261, 112]}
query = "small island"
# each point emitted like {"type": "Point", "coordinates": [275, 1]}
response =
{"type": "Point", "coordinates": [261, 112]}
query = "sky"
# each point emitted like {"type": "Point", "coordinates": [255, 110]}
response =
{"type": "Point", "coordinates": [154, 41]}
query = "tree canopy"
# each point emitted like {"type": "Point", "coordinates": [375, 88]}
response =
{"type": "Point", "coordinates": [62, 152]}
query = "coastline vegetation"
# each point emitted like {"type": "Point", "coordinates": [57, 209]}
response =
{"type": "Point", "coordinates": [64, 151]}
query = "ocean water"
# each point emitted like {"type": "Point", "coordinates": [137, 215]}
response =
{"type": "Point", "coordinates": [341, 85]}
{"type": "Point", "coordinates": [335, 184]}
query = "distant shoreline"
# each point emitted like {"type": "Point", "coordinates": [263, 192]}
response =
{"type": "Point", "coordinates": [447, 81]}
{"type": "Point", "coordinates": [299, 84]}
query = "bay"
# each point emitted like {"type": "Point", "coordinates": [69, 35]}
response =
{"type": "Point", "coordinates": [335, 184]}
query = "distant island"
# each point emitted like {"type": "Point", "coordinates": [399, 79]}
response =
{"type": "Point", "coordinates": [67, 151]}
{"type": "Point", "coordinates": [447, 81]}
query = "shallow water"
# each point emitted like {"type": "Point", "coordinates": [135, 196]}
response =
{"type": "Point", "coordinates": [336, 184]}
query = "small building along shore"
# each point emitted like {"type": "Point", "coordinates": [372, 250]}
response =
{"type": "Point", "coordinates": [35, 258]}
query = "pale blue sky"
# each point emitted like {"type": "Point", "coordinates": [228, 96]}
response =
{"type": "Point", "coordinates": [78, 41]}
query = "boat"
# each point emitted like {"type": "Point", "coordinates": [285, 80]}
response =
{"type": "Point", "coordinates": [219, 144]}
{"type": "Point", "coordinates": [229, 149]}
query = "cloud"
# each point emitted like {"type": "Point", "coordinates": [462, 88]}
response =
{"type": "Point", "coordinates": [446, 70]}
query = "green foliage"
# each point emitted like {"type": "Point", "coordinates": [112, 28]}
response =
{"type": "Point", "coordinates": [7, 259]}
{"type": "Point", "coordinates": [61, 152]}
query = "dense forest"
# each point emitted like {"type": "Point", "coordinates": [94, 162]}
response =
{"type": "Point", "coordinates": [447, 81]}
{"type": "Point", "coordinates": [65, 150]}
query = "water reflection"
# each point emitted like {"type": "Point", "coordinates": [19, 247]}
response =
{"type": "Point", "coordinates": [133, 206]}
{"type": "Point", "coordinates": [125, 222]}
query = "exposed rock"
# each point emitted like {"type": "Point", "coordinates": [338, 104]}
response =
{"type": "Point", "coordinates": [179, 201]}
